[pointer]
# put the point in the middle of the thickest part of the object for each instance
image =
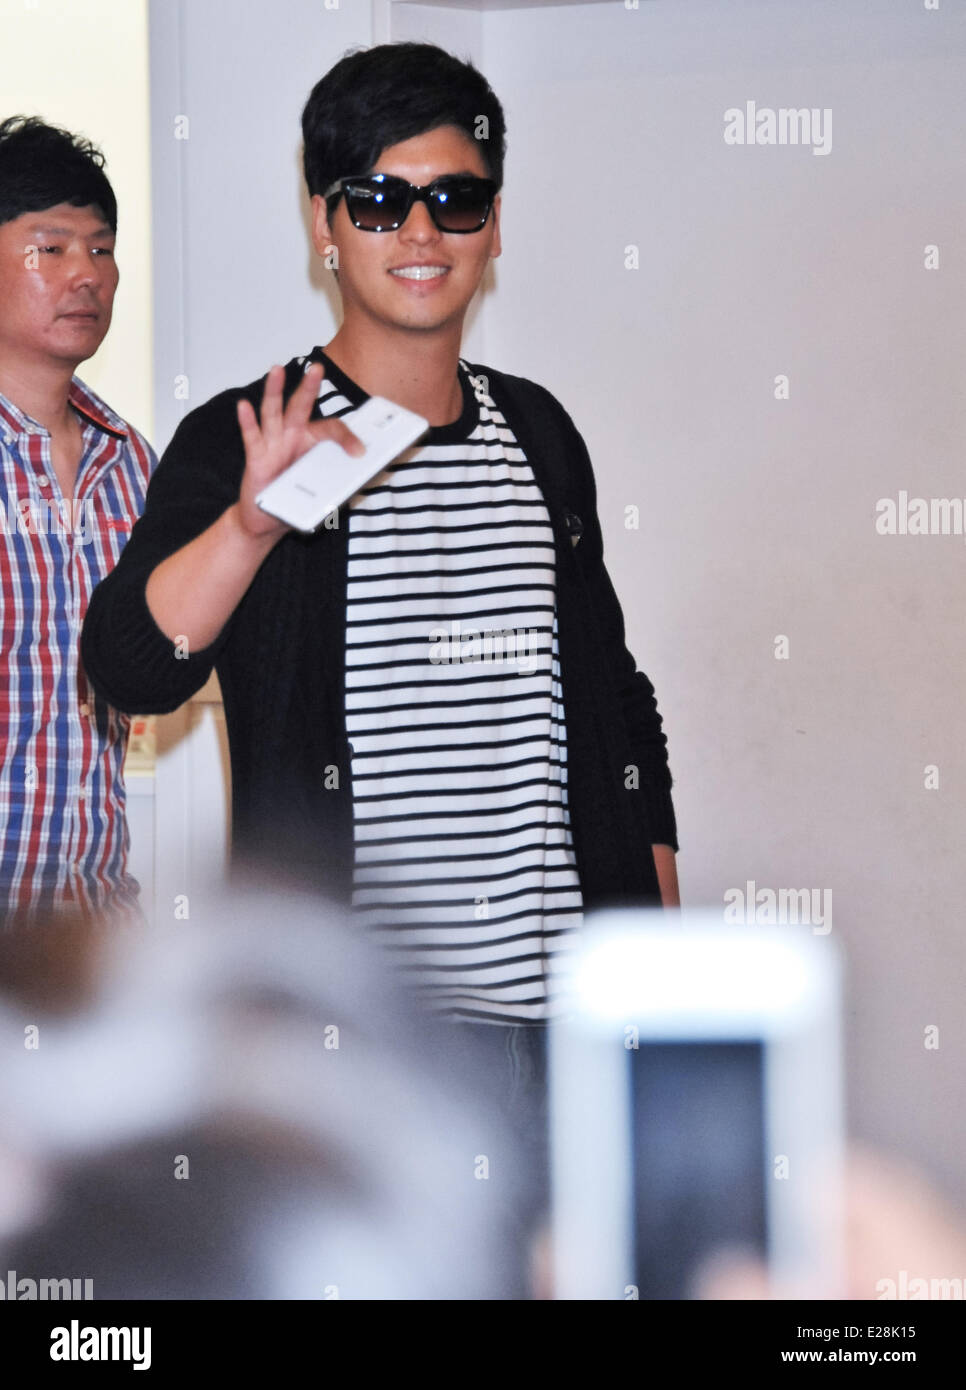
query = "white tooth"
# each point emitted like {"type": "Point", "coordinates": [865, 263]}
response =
{"type": "Point", "coordinates": [419, 272]}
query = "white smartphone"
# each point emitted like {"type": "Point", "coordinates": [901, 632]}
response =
{"type": "Point", "coordinates": [313, 486]}
{"type": "Point", "coordinates": [697, 1107]}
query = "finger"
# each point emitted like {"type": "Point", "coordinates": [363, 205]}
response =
{"type": "Point", "coordinates": [272, 405]}
{"type": "Point", "coordinates": [338, 431]}
{"type": "Point", "coordinates": [303, 398]}
{"type": "Point", "coordinates": [250, 433]}
{"type": "Point", "coordinates": [314, 371]}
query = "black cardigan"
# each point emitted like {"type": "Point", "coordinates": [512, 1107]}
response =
{"type": "Point", "coordinates": [281, 660]}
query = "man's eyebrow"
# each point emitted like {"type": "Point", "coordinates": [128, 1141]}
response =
{"type": "Point", "coordinates": [47, 229]}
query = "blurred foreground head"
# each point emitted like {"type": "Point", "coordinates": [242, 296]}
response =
{"type": "Point", "coordinates": [239, 1106]}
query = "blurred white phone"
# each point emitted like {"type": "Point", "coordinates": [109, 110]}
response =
{"type": "Point", "coordinates": [313, 486]}
{"type": "Point", "coordinates": [696, 1107]}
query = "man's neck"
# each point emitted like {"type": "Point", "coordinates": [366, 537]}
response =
{"type": "Point", "coordinates": [42, 393]}
{"type": "Point", "coordinates": [421, 374]}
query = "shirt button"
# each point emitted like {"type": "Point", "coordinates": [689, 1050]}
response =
{"type": "Point", "coordinates": [82, 795]}
{"type": "Point", "coordinates": [85, 709]}
{"type": "Point", "coordinates": [43, 482]}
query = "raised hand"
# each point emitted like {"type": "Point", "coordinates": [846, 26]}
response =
{"type": "Point", "coordinates": [280, 438]}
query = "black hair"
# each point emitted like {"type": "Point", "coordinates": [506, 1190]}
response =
{"type": "Point", "coordinates": [42, 165]}
{"type": "Point", "coordinates": [377, 97]}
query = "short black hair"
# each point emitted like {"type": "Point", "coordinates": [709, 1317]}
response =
{"type": "Point", "coordinates": [377, 97]}
{"type": "Point", "coordinates": [42, 166]}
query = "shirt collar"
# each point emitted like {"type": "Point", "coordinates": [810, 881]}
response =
{"type": "Point", "coordinates": [81, 397]}
{"type": "Point", "coordinates": [91, 406]}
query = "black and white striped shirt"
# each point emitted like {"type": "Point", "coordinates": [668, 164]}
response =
{"type": "Point", "coordinates": [464, 862]}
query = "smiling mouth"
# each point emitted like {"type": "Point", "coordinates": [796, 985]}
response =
{"type": "Point", "coordinates": [420, 272]}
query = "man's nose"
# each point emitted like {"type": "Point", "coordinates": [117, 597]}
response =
{"type": "Point", "coordinates": [419, 225]}
{"type": "Point", "coordinates": [86, 269]}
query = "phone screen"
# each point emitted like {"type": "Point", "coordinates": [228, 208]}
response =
{"type": "Point", "coordinates": [698, 1164]}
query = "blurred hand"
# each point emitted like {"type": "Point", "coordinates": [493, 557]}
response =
{"type": "Point", "coordinates": [894, 1220]}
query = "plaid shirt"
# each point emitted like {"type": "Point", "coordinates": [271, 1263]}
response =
{"type": "Point", "coordinates": [63, 833]}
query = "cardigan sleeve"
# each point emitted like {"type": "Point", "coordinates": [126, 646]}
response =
{"type": "Point", "coordinates": [130, 662]}
{"type": "Point", "coordinates": [636, 693]}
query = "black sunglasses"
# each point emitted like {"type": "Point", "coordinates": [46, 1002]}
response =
{"type": "Point", "coordinates": [382, 202]}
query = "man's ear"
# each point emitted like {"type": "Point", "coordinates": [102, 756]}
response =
{"type": "Point", "coordinates": [496, 248]}
{"type": "Point", "coordinates": [322, 237]}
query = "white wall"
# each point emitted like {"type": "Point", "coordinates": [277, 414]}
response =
{"type": "Point", "coordinates": [237, 283]}
{"type": "Point", "coordinates": [756, 514]}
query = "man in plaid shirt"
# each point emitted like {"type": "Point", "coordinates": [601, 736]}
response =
{"type": "Point", "coordinates": [73, 476]}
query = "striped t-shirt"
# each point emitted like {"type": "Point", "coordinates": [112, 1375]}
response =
{"type": "Point", "coordinates": [464, 861]}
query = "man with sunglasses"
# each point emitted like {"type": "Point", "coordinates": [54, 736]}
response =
{"type": "Point", "coordinates": [432, 712]}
